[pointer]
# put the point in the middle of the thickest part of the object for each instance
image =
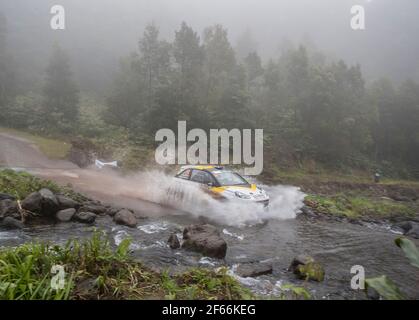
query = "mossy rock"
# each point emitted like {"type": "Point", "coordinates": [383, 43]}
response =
{"type": "Point", "coordinates": [310, 271]}
{"type": "Point", "coordinates": [305, 267]}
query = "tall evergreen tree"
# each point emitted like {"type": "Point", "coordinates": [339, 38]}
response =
{"type": "Point", "coordinates": [253, 65]}
{"type": "Point", "coordinates": [126, 103]}
{"type": "Point", "coordinates": [189, 57]}
{"type": "Point", "coordinates": [154, 62]}
{"type": "Point", "coordinates": [408, 121]}
{"type": "Point", "coordinates": [226, 94]}
{"type": "Point", "coordinates": [60, 92]}
{"type": "Point", "coordinates": [7, 74]}
{"type": "Point", "coordinates": [383, 97]}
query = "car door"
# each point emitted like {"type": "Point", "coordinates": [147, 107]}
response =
{"type": "Point", "coordinates": [201, 177]}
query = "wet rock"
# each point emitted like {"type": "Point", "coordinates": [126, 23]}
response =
{"type": "Point", "coordinates": [404, 226]}
{"type": "Point", "coordinates": [125, 218]}
{"type": "Point", "coordinates": [252, 270]}
{"type": "Point", "coordinates": [358, 221]}
{"type": "Point", "coordinates": [11, 223]}
{"type": "Point", "coordinates": [112, 211]}
{"type": "Point", "coordinates": [307, 211]}
{"type": "Point", "coordinates": [204, 239]}
{"type": "Point", "coordinates": [42, 202]}
{"type": "Point", "coordinates": [95, 208]}
{"type": "Point", "coordinates": [85, 217]}
{"type": "Point", "coordinates": [8, 207]}
{"type": "Point", "coordinates": [414, 231]}
{"type": "Point", "coordinates": [49, 202]}
{"type": "Point", "coordinates": [5, 196]}
{"type": "Point", "coordinates": [67, 203]}
{"type": "Point", "coordinates": [65, 215]}
{"type": "Point", "coordinates": [173, 241]}
{"type": "Point", "coordinates": [372, 294]}
{"type": "Point", "coordinates": [33, 202]}
{"type": "Point", "coordinates": [305, 267]}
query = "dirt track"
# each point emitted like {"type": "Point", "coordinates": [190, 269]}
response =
{"type": "Point", "coordinates": [22, 154]}
{"type": "Point", "coordinates": [16, 152]}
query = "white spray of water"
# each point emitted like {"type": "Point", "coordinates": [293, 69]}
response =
{"type": "Point", "coordinates": [158, 187]}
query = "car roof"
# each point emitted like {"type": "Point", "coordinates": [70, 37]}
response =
{"type": "Point", "coordinates": [201, 167]}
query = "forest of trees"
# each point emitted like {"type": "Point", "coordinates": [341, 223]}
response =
{"type": "Point", "coordinates": [311, 107]}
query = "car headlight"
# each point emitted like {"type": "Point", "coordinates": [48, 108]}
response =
{"type": "Point", "coordinates": [242, 195]}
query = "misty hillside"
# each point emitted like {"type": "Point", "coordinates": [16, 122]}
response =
{"type": "Point", "coordinates": [99, 32]}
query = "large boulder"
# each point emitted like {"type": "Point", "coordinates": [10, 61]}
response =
{"type": "Point", "coordinates": [253, 270]}
{"type": "Point", "coordinates": [305, 267]}
{"type": "Point", "coordinates": [204, 239]}
{"type": "Point", "coordinates": [125, 218]}
{"type": "Point", "coordinates": [67, 203]}
{"type": "Point", "coordinates": [49, 202]}
{"type": "Point", "coordinates": [85, 217]}
{"type": "Point", "coordinates": [33, 202]}
{"type": "Point", "coordinates": [65, 215]}
{"type": "Point", "coordinates": [11, 223]}
{"type": "Point", "coordinates": [8, 207]}
{"type": "Point", "coordinates": [173, 241]}
{"type": "Point", "coordinates": [42, 202]}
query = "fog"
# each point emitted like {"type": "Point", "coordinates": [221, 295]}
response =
{"type": "Point", "coordinates": [99, 32]}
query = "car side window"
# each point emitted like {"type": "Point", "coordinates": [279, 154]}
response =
{"type": "Point", "coordinates": [201, 177]}
{"type": "Point", "coordinates": [185, 174]}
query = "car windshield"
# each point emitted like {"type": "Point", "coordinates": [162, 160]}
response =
{"type": "Point", "coordinates": [227, 178]}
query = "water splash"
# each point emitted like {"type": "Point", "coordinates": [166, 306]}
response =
{"type": "Point", "coordinates": [186, 197]}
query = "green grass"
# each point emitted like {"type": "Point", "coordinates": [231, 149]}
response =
{"type": "Point", "coordinates": [305, 176]}
{"type": "Point", "coordinates": [356, 206]}
{"type": "Point", "coordinates": [52, 148]}
{"type": "Point", "coordinates": [21, 184]}
{"type": "Point", "coordinates": [96, 271]}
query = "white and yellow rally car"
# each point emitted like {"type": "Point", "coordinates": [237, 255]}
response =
{"type": "Point", "coordinates": [223, 183]}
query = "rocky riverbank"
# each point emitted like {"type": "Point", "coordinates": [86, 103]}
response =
{"type": "Point", "coordinates": [45, 206]}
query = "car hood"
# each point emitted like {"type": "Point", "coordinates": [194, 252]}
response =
{"type": "Point", "coordinates": [252, 191]}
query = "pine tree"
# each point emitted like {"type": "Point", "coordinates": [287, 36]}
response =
{"type": "Point", "coordinates": [7, 74]}
{"type": "Point", "coordinates": [154, 62]}
{"type": "Point", "coordinates": [189, 57]}
{"type": "Point", "coordinates": [253, 65]}
{"type": "Point", "coordinates": [60, 92]}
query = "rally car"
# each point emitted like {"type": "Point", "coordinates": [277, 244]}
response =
{"type": "Point", "coordinates": [224, 184]}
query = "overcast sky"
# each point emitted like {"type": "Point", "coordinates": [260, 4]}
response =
{"type": "Point", "coordinates": [99, 32]}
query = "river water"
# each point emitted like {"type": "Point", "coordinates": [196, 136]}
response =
{"type": "Point", "coordinates": [276, 240]}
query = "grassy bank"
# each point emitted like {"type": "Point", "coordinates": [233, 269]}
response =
{"type": "Point", "coordinates": [93, 270]}
{"type": "Point", "coordinates": [304, 177]}
{"type": "Point", "coordinates": [358, 206]}
{"type": "Point", "coordinates": [21, 184]}
{"type": "Point", "coordinates": [352, 194]}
